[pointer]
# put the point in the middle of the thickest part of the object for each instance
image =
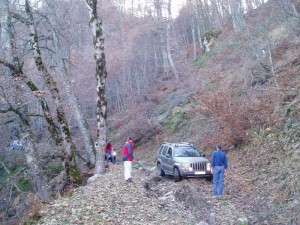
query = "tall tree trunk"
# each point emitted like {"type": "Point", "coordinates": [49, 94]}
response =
{"type": "Point", "coordinates": [193, 30]}
{"type": "Point", "coordinates": [199, 25]}
{"type": "Point", "coordinates": [70, 161]}
{"type": "Point", "coordinates": [216, 14]}
{"type": "Point", "coordinates": [101, 75]}
{"type": "Point", "coordinates": [236, 9]}
{"type": "Point", "coordinates": [207, 15]}
{"type": "Point", "coordinates": [162, 35]}
{"type": "Point", "coordinates": [4, 26]}
{"type": "Point", "coordinates": [14, 65]}
{"type": "Point", "coordinates": [72, 98]}
{"type": "Point", "coordinates": [169, 27]}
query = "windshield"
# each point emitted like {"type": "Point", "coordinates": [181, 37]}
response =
{"type": "Point", "coordinates": [186, 152]}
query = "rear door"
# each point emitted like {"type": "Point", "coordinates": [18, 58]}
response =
{"type": "Point", "coordinates": [169, 160]}
{"type": "Point", "coordinates": [163, 157]}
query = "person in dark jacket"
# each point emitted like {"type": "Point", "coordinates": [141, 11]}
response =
{"type": "Point", "coordinates": [219, 164]}
{"type": "Point", "coordinates": [127, 150]}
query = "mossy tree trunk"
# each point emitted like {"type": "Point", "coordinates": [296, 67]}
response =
{"type": "Point", "coordinates": [70, 160]}
{"type": "Point", "coordinates": [101, 74]}
{"type": "Point", "coordinates": [72, 98]}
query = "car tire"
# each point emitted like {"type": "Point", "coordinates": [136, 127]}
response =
{"type": "Point", "coordinates": [177, 175]}
{"type": "Point", "coordinates": [160, 171]}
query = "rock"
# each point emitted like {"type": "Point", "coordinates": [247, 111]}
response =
{"type": "Point", "coordinates": [202, 223]}
{"type": "Point", "coordinates": [242, 220]}
{"type": "Point", "coordinates": [93, 178]}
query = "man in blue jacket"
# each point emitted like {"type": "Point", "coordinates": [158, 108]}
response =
{"type": "Point", "coordinates": [219, 164]}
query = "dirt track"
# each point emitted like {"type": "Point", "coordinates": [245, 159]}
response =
{"type": "Point", "coordinates": [156, 200]}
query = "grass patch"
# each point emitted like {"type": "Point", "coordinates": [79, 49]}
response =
{"type": "Point", "coordinates": [175, 119]}
{"type": "Point", "coordinates": [204, 58]}
{"type": "Point", "coordinates": [24, 184]}
{"type": "Point", "coordinates": [53, 168]}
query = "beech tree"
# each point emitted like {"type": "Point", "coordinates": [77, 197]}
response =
{"type": "Point", "coordinates": [16, 66]}
{"type": "Point", "coordinates": [101, 75]}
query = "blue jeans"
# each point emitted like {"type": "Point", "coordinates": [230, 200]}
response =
{"type": "Point", "coordinates": [109, 154]}
{"type": "Point", "coordinates": [218, 180]}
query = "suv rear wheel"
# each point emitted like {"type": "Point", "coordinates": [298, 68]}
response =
{"type": "Point", "coordinates": [160, 171]}
{"type": "Point", "coordinates": [176, 174]}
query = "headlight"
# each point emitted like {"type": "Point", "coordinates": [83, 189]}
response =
{"type": "Point", "coordinates": [208, 167]}
{"type": "Point", "coordinates": [187, 166]}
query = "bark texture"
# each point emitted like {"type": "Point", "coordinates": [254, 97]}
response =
{"type": "Point", "coordinates": [72, 98]}
{"type": "Point", "coordinates": [101, 75]}
{"type": "Point", "coordinates": [70, 160]}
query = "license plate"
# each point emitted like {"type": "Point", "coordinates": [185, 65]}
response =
{"type": "Point", "coordinates": [199, 172]}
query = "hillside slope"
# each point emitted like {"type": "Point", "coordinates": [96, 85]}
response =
{"type": "Point", "coordinates": [228, 97]}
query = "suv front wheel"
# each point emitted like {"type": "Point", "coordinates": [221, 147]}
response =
{"type": "Point", "coordinates": [176, 174]}
{"type": "Point", "coordinates": [160, 171]}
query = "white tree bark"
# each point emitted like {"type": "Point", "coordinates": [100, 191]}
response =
{"type": "Point", "coordinates": [101, 74]}
{"type": "Point", "coordinates": [169, 27]}
{"type": "Point", "coordinates": [4, 26]}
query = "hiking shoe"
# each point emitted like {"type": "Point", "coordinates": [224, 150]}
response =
{"type": "Point", "coordinates": [129, 180]}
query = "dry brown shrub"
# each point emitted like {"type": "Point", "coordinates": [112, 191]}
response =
{"type": "Point", "coordinates": [138, 123]}
{"type": "Point", "coordinates": [235, 115]}
{"type": "Point", "coordinates": [34, 207]}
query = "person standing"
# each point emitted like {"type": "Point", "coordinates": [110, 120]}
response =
{"type": "Point", "coordinates": [219, 164]}
{"type": "Point", "coordinates": [127, 151]}
{"type": "Point", "coordinates": [108, 153]}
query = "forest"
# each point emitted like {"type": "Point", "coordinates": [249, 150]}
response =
{"type": "Point", "coordinates": [78, 72]}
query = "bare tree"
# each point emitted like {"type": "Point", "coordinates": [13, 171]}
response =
{"type": "Point", "coordinates": [291, 14]}
{"type": "Point", "coordinates": [191, 12]}
{"type": "Point", "coordinates": [72, 98]}
{"type": "Point", "coordinates": [21, 109]}
{"type": "Point", "coordinates": [101, 75]}
{"type": "Point", "coordinates": [169, 26]}
{"type": "Point", "coordinates": [70, 162]}
{"type": "Point", "coordinates": [237, 11]}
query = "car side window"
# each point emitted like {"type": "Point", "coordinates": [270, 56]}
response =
{"type": "Point", "coordinates": [164, 151]}
{"type": "Point", "coordinates": [160, 150]}
{"type": "Point", "coordinates": [170, 151]}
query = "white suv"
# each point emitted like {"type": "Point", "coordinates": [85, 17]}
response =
{"type": "Point", "coordinates": [182, 160]}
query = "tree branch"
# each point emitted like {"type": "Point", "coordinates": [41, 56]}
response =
{"type": "Point", "coordinates": [20, 18]}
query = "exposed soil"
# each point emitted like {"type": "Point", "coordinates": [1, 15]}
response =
{"type": "Point", "coordinates": [159, 200]}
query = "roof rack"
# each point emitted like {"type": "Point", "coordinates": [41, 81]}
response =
{"type": "Point", "coordinates": [177, 144]}
{"type": "Point", "coordinates": [185, 143]}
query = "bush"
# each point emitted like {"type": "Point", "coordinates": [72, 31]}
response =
{"type": "Point", "coordinates": [53, 168]}
{"type": "Point", "coordinates": [175, 119]}
{"type": "Point", "coordinates": [24, 184]}
{"type": "Point", "coordinates": [234, 115]}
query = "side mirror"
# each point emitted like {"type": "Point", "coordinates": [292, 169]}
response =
{"type": "Point", "coordinates": [168, 155]}
{"type": "Point", "coordinates": [203, 155]}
